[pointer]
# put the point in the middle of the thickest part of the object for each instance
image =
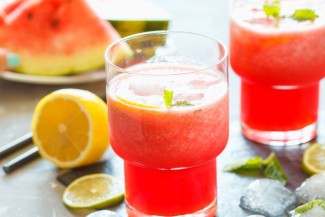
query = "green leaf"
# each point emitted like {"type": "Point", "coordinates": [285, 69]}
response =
{"type": "Point", "coordinates": [304, 15]}
{"type": "Point", "coordinates": [308, 206]}
{"type": "Point", "coordinates": [272, 9]}
{"type": "Point", "coordinates": [182, 103]}
{"type": "Point", "coordinates": [273, 169]}
{"type": "Point", "coordinates": [254, 163]}
{"type": "Point", "coordinates": [168, 98]}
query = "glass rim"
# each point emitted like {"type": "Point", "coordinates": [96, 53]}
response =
{"type": "Point", "coordinates": [166, 32]}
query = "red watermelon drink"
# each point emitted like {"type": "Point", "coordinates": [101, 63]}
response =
{"type": "Point", "coordinates": [168, 121]}
{"type": "Point", "coordinates": [278, 50]}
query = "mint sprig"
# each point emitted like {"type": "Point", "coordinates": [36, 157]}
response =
{"type": "Point", "coordinates": [272, 9]}
{"type": "Point", "coordinates": [304, 15]}
{"type": "Point", "coordinates": [251, 163]}
{"type": "Point", "coordinates": [182, 103]}
{"type": "Point", "coordinates": [273, 169]}
{"type": "Point", "coordinates": [168, 98]}
{"type": "Point", "coordinates": [270, 167]}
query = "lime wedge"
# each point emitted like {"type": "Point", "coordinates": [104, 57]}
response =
{"type": "Point", "coordinates": [313, 160]}
{"type": "Point", "coordinates": [94, 191]}
{"type": "Point", "coordinates": [310, 207]}
{"type": "Point", "coordinates": [135, 103]}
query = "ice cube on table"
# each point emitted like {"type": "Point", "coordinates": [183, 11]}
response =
{"type": "Point", "coordinates": [268, 197]}
{"type": "Point", "coordinates": [313, 188]}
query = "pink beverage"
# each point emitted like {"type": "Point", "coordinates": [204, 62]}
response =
{"type": "Point", "coordinates": [280, 61]}
{"type": "Point", "coordinates": [169, 153]}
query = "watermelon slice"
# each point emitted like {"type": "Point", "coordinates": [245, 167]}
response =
{"type": "Point", "coordinates": [55, 37]}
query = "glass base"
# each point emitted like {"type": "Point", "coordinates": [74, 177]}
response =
{"type": "Point", "coordinates": [281, 138]}
{"type": "Point", "coordinates": [209, 211]}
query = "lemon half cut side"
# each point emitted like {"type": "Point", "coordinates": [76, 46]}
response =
{"type": "Point", "coordinates": [313, 160]}
{"type": "Point", "coordinates": [70, 127]}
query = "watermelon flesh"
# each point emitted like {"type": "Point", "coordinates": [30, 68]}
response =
{"type": "Point", "coordinates": [55, 37]}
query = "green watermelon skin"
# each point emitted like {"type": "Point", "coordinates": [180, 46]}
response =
{"type": "Point", "coordinates": [55, 37]}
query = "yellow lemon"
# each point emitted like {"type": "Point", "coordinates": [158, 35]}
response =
{"type": "Point", "coordinates": [313, 160]}
{"type": "Point", "coordinates": [70, 127]}
{"type": "Point", "coordinates": [129, 102]}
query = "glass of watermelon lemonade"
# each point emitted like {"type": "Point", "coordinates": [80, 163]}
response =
{"type": "Point", "coordinates": [167, 96]}
{"type": "Point", "coordinates": [277, 48]}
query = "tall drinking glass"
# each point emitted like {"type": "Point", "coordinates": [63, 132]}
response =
{"type": "Point", "coordinates": [167, 96]}
{"type": "Point", "coordinates": [277, 47]}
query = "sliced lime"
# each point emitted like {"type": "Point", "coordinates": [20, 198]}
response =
{"type": "Point", "coordinates": [94, 191]}
{"type": "Point", "coordinates": [310, 207]}
{"type": "Point", "coordinates": [136, 103]}
{"type": "Point", "coordinates": [313, 160]}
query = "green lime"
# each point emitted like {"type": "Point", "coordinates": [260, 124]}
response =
{"type": "Point", "coordinates": [94, 191]}
{"type": "Point", "coordinates": [313, 160]}
{"type": "Point", "coordinates": [311, 208]}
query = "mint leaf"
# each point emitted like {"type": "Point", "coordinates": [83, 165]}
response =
{"type": "Point", "coordinates": [182, 103]}
{"type": "Point", "coordinates": [272, 9]}
{"type": "Point", "coordinates": [273, 169]}
{"type": "Point", "coordinates": [304, 15]}
{"type": "Point", "coordinates": [168, 98]}
{"type": "Point", "coordinates": [308, 206]}
{"type": "Point", "coordinates": [270, 166]}
{"type": "Point", "coordinates": [249, 164]}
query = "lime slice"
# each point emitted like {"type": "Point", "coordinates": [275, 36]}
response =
{"type": "Point", "coordinates": [311, 207]}
{"type": "Point", "coordinates": [313, 160]}
{"type": "Point", "coordinates": [135, 103]}
{"type": "Point", "coordinates": [94, 191]}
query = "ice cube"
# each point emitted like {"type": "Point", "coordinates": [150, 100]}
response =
{"type": "Point", "coordinates": [103, 213]}
{"type": "Point", "coordinates": [268, 197]}
{"type": "Point", "coordinates": [312, 188]}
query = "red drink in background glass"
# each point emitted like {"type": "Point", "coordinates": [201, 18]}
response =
{"type": "Point", "coordinates": [280, 63]}
{"type": "Point", "coordinates": [169, 153]}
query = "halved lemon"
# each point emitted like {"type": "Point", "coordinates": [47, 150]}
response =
{"type": "Point", "coordinates": [94, 191]}
{"type": "Point", "coordinates": [70, 127]}
{"type": "Point", "coordinates": [313, 160]}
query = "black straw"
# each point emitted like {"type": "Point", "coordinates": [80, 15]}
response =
{"type": "Point", "coordinates": [13, 146]}
{"type": "Point", "coordinates": [21, 160]}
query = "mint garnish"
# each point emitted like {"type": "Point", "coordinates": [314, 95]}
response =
{"type": "Point", "coordinates": [304, 15]}
{"type": "Point", "coordinates": [272, 9]}
{"type": "Point", "coordinates": [251, 163]}
{"type": "Point", "coordinates": [168, 98]}
{"type": "Point", "coordinates": [271, 167]}
{"type": "Point", "coordinates": [182, 103]}
{"type": "Point", "coordinates": [308, 206]}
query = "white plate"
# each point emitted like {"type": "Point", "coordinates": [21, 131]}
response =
{"type": "Point", "coordinates": [87, 77]}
